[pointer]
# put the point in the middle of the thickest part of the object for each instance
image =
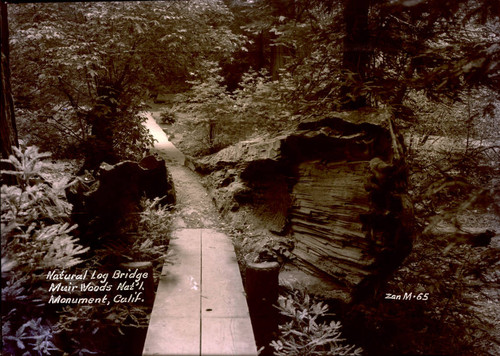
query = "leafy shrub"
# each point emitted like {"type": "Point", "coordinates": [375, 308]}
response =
{"type": "Point", "coordinates": [304, 334]}
{"type": "Point", "coordinates": [61, 133]}
{"type": "Point", "coordinates": [219, 118]}
{"type": "Point", "coordinates": [147, 242]}
{"type": "Point", "coordinates": [210, 106]}
{"type": "Point", "coordinates": [36, 237]}
{"type": "Point", "coordinates": [153, 234]}
{"type": "Point", "coordinates": [265, 103]}
{"type": "Point", "coordinates": [130, 137]}
{"type": "Point", "coordinates": [26, 165]}
{"type": "Point", "coordinates": [35, 228]}
{"type": "Point", "coordinates": [33, 334]}
{"type": "Point", "coordinates": [101, 330]}
{"type": "Point", "coordinates": [168, 116]}
{"type": "Point", "coordinates": [68, 133]}
{"type": "Point", "coordinates": [94, 329]}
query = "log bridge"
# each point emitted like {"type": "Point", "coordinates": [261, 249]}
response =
{"type": "Point", "coordinates": [337, 186]}
{"type": "Point", "coordinates": [200, 306]}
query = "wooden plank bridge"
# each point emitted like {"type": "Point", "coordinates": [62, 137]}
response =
{"type": "Point", "coordinates": [200, 306]}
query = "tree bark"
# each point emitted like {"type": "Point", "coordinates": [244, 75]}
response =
{"type": "Point", "coordinates": [356, 52]}
{"type": "Point", "coordinates": [8, 128]}
{"type": "Point", "coordinates": [99, 146]}
{"type": "Point", "coordinates": [277, 61]}
{"type": "Point", "coordinates": [261, 56]}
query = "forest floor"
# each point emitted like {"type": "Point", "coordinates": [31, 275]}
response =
{"type": "Point", "coordinates": [463, 282]}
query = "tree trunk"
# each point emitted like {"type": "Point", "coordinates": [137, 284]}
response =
{"type": "Point", "coordinates": [356, 54]}
{"type": "Point", "coordinates": [8, 130]}
{"type": "Point", "coordinates": [277, 61]}
{"type": "Point", "coordinates": [7, 121]}
{"type": "Point", "coordinates": [261, 56]}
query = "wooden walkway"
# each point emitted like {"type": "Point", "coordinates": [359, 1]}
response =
{"type": "Point", "coordinates": [200, 306]}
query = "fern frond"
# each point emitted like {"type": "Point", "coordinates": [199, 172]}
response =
{"type": "Point", "coordinates": [62, 249]}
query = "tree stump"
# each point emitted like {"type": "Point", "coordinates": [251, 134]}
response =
{"type": "Point", "coordinates": [262, 294]}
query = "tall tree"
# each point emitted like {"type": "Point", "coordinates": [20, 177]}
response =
{"type": "Point", "coordinates": [356, 51]}
{"type": "Point", "coordinates": [7, 121]}
{"type": "Point", "coordinates": [375, 52]}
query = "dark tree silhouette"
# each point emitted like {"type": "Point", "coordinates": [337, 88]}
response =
{"type": "Point", "coordinates": [356, 51]}
{"type": "Point", "coordinates": [7, 121]}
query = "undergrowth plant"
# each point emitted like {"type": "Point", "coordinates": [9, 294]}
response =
{"type": "Point", "coordinates": [33, 335]}
{"type": "Point", "coordinates": [36, 237]}
{"type": "Point", "coordinates": [307, 332]}
{"type": "Point", "coordinates": [147, 242]}
{"type": "Point", "coordinates": [101, 330]}
{"type": "Point", "coordinates": [26, 164]}
{"type": "Point", "coordinates": [153, 233]}
{"type": "Point", "coordinates": [219, 118]}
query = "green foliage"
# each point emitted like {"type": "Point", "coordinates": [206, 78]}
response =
{"type": "Point", "coordinates": [34, 231]}
{"type": "Point", "coordinates": [79, 76]}
{"type": "Point", "coordinates": [259, 106]}
{"type": "Point", "coordinates": [153, 233]}
{"type": "Point", "coordinates": [452, 153]}
{"type": "Point", "coordinates": [101, 330]}
{"type": "Point", "coordinates": [27, 164]}
{"type": "Point", "coordinates": [441, 50]}
{"type": "Point", "coordinates": [265, 103]}
{"type": "Point", "coordinates": [49, 247]}
{"type": "Point", "coordinates": [90, 328]}
{"type": "Point", "coordinates": [35, 239]}
{"type": "Point", "coordinates": [130, 137]}
{"type": "Point", "coordinates": [145, 241]}
{"type": "Point", "coordinates": [31, 206]}
{"type": "Point", "coordinates": [33, 335]}
{"type": "Point", "coordinates": [168, 116]}
{"type": "Point", "coordinates": [304, 334]}
{"type": "Point", "coordinates": [210, 107]}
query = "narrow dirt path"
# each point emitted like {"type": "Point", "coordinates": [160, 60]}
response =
{"type": "Point", "coordinates": [194, 205]}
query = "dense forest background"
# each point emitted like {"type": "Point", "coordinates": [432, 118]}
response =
{"type": "Point", "coordinates": [230, 70]}
{"type": "Point", "coordinates": [434, 64]}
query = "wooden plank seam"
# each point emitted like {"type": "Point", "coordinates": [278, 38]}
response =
{"type": "Point", "coordinates": [201, 289]}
